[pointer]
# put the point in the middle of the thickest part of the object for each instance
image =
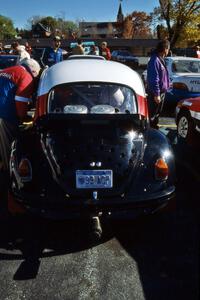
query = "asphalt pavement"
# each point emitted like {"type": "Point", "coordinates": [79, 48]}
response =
{"type": "Point", "coordinates": [149, 258]}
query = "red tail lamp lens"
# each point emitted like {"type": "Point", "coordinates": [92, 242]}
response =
{"type": "Point", "coordinates": [161, 169]}
{"type": "Point", "coordinates": [25, 168]}
{"type": "Point", "coordinates": [180, 86]}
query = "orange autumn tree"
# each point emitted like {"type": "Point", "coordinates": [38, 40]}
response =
{"type": "Point", "coordinates": [137, 25]}
{"type": "Point", "coordinates": [181, 19]}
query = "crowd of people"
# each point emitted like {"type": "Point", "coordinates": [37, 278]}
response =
{"type": "Point", "coordinates": [24, 51]}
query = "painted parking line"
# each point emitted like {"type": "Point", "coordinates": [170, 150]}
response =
{"type": "Point", "coordinates": [167, 125]}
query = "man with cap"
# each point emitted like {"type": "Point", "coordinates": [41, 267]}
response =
{"type": "Point", "coordinates": [53, 54]}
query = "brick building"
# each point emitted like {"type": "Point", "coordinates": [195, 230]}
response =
{"type": "Point", "coordinates": [103, 29]}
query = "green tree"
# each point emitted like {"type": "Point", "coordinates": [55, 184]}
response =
{"type": "Point", "coordinates": [57, 25]}
{"type": "Point", "coordinates": [7, 29]}
{"type": "Point", "coordinates": [66, 27]}
{"type": "Point", "coordinates": [180, 16]}
{"type": "Point", "coordinates": [49, 22]}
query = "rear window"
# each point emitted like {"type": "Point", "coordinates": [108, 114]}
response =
{"type": "Point", "coordinates": [92, 98]}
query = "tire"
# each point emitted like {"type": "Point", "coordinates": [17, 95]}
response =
{"type": "Point", "coordinates": [185, 127]}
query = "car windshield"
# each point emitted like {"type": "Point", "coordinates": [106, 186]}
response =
{"type": "Point", "coordinates": [186, 66]}
{"type": "Point", "coordinates": [6, 62]}
{"type": "Point", "coordinates": [92, 98]}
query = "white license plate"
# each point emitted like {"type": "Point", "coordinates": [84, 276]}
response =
{"type": "Point", "coordinates": [92, 179]}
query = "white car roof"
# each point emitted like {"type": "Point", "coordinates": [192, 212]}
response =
{"type": "Point", "coordinates": [90, 70]}
{"type": "Point", "coordinates": [88, 56]}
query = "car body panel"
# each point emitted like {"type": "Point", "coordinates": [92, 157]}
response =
{"type": "Point", "coordinates": [188, 77]}
{"type": "Point", "coordinates": [99, 71]}
{"type": "Point", "coordinates": [76, 56]}
{"type": "Point", "coordinates": [191, 109]}
{"type": "Point", "coordinates": [192, 105]}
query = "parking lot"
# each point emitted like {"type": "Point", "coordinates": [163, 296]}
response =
{"type": "Point", "coordinates": [148, 258]}
{"type": "Point", "coordinates": [99, 150]}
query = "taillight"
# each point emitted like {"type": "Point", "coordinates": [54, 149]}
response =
{"type": "Point", "coordinates": [25, 170]}
{"type": "Point", "coordinates": [161, 169]}
{"type": "Point", "coordinates": [180, 86]}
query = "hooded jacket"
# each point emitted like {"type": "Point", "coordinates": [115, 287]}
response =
{"type": "Point", "coordinates": [158, 81]}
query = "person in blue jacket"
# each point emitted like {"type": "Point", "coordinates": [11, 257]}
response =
{"type": "Point", "coordinates": [158, 81]}
{"type": "Point", "coordinates": [53, 55]}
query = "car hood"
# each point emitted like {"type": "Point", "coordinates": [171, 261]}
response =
{"type": "Point", "coordinates": [94, 146]}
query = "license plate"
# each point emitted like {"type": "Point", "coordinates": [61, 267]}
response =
{"type": "Point", "coordinates": [92, 179]}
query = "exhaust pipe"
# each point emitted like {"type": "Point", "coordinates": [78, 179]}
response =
{"type": "Point", "coordinates": [96, 232]}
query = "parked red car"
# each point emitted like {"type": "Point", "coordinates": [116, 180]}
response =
{"type": "Point", "coordinates": [188, 119]}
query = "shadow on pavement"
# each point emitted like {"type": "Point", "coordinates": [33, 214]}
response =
{"type": "Point", "coordinates": [30, 239]}
{"type": "Point", "coordinates": [166, 249]}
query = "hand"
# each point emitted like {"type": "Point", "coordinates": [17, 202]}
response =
{"type": "Point", "coordinates": [157, 99]}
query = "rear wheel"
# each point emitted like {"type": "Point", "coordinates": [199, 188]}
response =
{"type": "Point", "coordinates": [185, 127]}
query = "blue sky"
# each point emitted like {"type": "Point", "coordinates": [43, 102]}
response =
{"type": "Point", "coordinates": [75, 10]}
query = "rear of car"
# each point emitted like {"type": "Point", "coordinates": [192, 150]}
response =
{"type": "Point", "coordinates": [91, 151]}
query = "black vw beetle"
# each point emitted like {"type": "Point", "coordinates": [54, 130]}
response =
{"type": "Point", "coordinates": [90, 151]}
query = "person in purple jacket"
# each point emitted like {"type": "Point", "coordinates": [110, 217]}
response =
{"type": "Point", "coordinates": [158, 81]}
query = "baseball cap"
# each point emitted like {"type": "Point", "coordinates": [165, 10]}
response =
{"type": "Point", "coordinates": [32, 65]}
{"type": "Point", "coordinates": [56, 38]}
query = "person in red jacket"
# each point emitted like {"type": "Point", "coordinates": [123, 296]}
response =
{"type": "Point", "coordinates": [16, 89]}
{"type": "Point", "coordinates": [197, 52]}
{"type": "Point", "coordinates": [105, 51]}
